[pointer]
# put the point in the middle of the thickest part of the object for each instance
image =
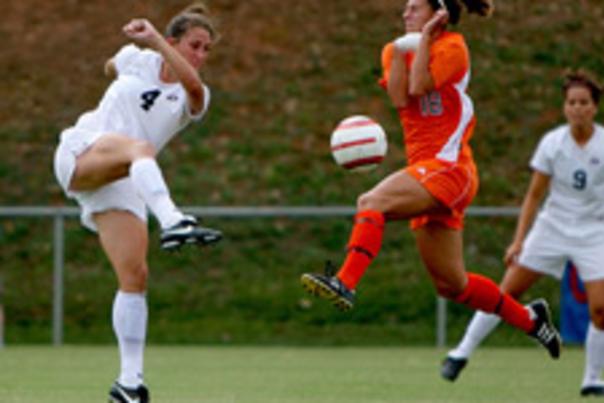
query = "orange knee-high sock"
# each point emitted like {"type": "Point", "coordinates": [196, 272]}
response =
{"type": "Point", "coordinates": [482, 293]}
{"type": "Point", "coordinates": [364, 244]}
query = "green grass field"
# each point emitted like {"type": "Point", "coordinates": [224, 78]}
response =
{"type": "Point", "coordinates": [292, 375]}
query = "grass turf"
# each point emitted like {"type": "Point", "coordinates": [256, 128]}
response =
{"type": "Point", "coordinates": [292, 375]}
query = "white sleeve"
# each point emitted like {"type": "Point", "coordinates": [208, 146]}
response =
{"type": "Point", "coordinates": [125, 56]}
{"type": "Point", "coordinates": [542, 160]}
{"type": "Point", "coordinates": [206, 104]}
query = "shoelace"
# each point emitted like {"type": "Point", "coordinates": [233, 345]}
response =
{"type": "Point", "coordinates": [545, 333]}
{"type": "Point", "coordinates": [330, 268]}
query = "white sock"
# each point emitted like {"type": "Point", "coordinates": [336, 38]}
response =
{"type": "Point", "coordinates": [150, 184]}
{"type": "Point", "coordinates": [130, 327]}
{"type": "Point", "coordinates": [594, 356]}
{"type": "Point", "coordinates": [481, 325]}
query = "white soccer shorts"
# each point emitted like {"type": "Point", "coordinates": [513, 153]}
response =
{"type": "Point", "coordinates": [546, 250]}
{"type": "Point", "coordinates": [117, 195]}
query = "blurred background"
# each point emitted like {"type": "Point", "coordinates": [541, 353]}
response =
{"type": "Point", "coordinates": [284, 73]}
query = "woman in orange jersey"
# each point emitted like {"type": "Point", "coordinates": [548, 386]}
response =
{"type": "Point", "coordinates": [426, 74]}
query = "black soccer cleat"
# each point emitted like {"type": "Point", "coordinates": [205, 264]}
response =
{"type": "Point", "coordinates": [122, 394]}
{"type": "Point", "coordinates": [592, 390]}
{"type": "Point", "coordinates": [329, 287]}
{"type": "Point", "coordinates": [544, 331]}
{"type": "Point", "coordinates": [187, 231]}
{"type": "Point", "coordinates": [452, 367]}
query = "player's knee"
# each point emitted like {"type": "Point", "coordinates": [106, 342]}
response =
{"type": "Point", "coordinates": [363, 201]}
{"type": "Point", "coordinates": [369, 201]}
{"type": "Point", "coordinates": [133, 277]}
{"type": "Point", "coordinates": [449, 289]}
{"type": "Point", "coordinates": [597, 316]}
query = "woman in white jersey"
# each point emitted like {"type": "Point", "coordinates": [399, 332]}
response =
{"type": "Point", "coordinates": [107, 163]}
{"type": "Point", "coordinates": [569, 162]}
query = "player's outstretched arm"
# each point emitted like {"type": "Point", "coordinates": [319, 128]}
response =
{"type": "Point", "coordinates": [399, 78]}
{"type": "Point", "coordinates": [530, 206]}
{"type": "Point", "coordinates": [142, 32]}
{"type": "Point", "coordinates": [420, 80]}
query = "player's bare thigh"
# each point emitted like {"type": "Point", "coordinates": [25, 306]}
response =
{"type": "Point", "coordinates": [400, 196]}
{"type": "Point", "coordinates": [108, 159]}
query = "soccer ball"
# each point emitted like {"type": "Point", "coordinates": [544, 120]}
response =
{"type": "Point", "coordinates": [358, 143]}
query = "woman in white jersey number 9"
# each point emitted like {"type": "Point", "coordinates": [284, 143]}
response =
{"type": "Point", "coordinates": [106, 161]}
{"type": "Point", "coordinates": [569, 162]}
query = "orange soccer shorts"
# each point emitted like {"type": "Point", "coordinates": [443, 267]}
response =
{"type": "Point", "coordinates": [453, 184]}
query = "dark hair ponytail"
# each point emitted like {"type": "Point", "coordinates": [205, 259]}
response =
{"type": "Point", "coordinates": [483, 8]}
{"type": "Point", "coordinates": [195, 15]}
{"type": "Point", "coordinates": [582, 78]}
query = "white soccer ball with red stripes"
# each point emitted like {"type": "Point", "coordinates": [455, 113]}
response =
{"type": "Point", "coordinates": [358, 143]}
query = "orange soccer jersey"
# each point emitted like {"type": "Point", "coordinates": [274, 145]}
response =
{"type": "Point", "coordinates": [437, 127]}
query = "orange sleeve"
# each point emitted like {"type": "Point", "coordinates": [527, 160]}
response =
{"type": "Point", "coordinates": [449, 62]}
{"type": "Point", "coordinates": [387, 55]}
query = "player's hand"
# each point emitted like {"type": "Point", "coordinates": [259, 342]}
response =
{"type": "Point", "coordinates": [512, 253]}
{"type": "Point", "coordinates": [433, 26]}
{"type": "Point", "coordinates": [142, 32]}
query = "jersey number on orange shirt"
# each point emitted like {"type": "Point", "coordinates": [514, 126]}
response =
{"type": "Point", "coordinates": [431, 104]}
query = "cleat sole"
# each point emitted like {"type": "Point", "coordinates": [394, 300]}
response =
{"type": "Point", "coordinates": [201, 241]}
{"type": "Point", "coordinates": [171, 246]}
{"type": "Point", "coordinates": [318, 289]}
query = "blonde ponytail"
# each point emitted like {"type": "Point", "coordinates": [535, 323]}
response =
{"type": "Point", "coordinates": [195, 15]}
{"type": "Point", "coordinates": [196, 8]}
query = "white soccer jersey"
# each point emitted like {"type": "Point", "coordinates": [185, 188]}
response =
{"type": "Point", "coordinates": [575, 204]}
{"type": "Point", "coordinates": [138, 104]}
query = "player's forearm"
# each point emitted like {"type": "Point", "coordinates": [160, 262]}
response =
{"type": "Point", "coordinates": [531, 203]}
{"type": "Point", "coordinates": [186, 74]}
{"type": "Point", "coordinates": [528, 212]}
{"type": "Point", "coordinates": [420, 80]}
{"type": "Point", "coordinates": [527, 216]}
{"type": "Point", "coordinates": [398, 82]}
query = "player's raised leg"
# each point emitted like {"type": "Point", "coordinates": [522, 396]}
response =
{"type": "Point", "coordinates": [114, 156]}
{"type": "Point", "coordinates": [397, 197]}
{"type": "Point", "coordinates": [365, 242]}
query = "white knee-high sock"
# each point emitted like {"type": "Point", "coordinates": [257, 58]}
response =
{"type": "Point", "coordinates": [130, 327]}
{"type": "Point", "coordinates": [150, 184]}
{"type": "Point", "coordinates": [481, 325]}
{"type": "Point", "coordinates": [594, 356]}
